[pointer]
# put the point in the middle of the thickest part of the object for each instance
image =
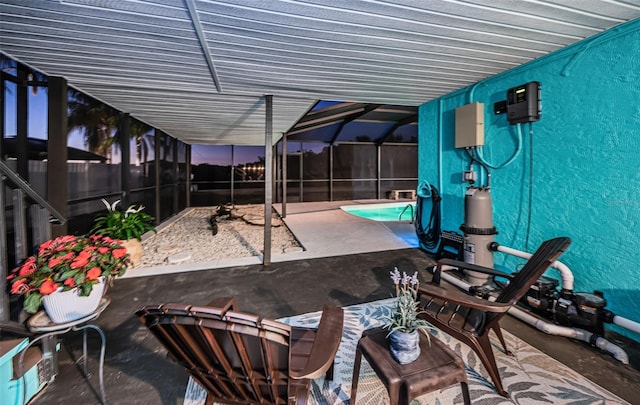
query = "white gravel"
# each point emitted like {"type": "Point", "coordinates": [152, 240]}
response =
{"type": "Point", "coordinates": [189, 239]}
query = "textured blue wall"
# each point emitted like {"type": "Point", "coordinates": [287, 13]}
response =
{"type": "Point", "coordinates": [586, 162]}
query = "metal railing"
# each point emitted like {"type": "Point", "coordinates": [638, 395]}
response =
{"type": "Point", "coordinates": [41, 215]}
{"type": "Point", "coordinates": [404, 210]}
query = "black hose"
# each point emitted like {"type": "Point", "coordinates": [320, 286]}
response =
{"type": "Point", "coordinates": [429, 237]}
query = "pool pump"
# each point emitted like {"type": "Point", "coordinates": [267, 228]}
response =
{"type": "Point", "coordinates": [479, 233]}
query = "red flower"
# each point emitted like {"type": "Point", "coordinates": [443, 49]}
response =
{"type": "Point", "coordinates": [69, 282]}
{"type": "Point", "coordinates": [85, 253]}
{"type": "Point", "coordinates": [103, 250]}
{"type": "Point", "coordinates": [19, 286]}
{"type": "Point", "coordinates": [53, 262]}
{"type": "Point", "coordinates": [48, 287]}
{"type": "Point", "coordinates": [79, 262]}
{"type": "Point", "coordinates": [119, 253]}
{"type": "Point", "coordinates": [46, 245]}
{"type": "Point", "coordinates": [94, 273]}
{"type": "Point", "coordinates": [28, 268]}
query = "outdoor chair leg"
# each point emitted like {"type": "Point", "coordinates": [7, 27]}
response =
{"type": "Point", "coordinates": [498, 332]}
{"type": "Point", "coordinates": [329, 373]}
{"type": "Point", "coordinates": [488, 360]}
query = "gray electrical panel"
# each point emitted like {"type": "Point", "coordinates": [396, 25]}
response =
{"type": "Point", "coordinates": [470, 125]}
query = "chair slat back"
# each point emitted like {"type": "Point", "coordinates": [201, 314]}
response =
{"type": "Point", "coordinates": [232, 355]}
{"type": "Point", "coordinates": [537, 264]}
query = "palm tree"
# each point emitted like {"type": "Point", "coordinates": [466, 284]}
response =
{"type": "Point", "coordinates": [144, 141]}
{"type": "Point", "coordinates": [97, 122]}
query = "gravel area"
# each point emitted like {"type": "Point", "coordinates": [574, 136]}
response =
{"type": "Point", "coordinates": [190, 238]}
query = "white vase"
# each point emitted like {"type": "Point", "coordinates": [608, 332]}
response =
{"type": "Point", "coordinates": [66, 306]}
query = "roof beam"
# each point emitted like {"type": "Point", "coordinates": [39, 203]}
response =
{"type": "Point", "coordinates": [409, 120]}
{"type": "Point", "coordinates": [193, 13]}
{"type": "Point", "coordinates": [367, 109]}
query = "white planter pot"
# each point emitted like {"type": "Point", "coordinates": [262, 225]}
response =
{"type": "Point", "coordinates": [67, 306]}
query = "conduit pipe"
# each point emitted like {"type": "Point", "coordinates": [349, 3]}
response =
{"type": "Point", "coordinates": [565, 272]}
{"type": "Point", "coordinates": [547, 327]}
{"type": "Point", "coordinates": [573, 333]}
{"type": "Point", "coordinates": [626, 323]}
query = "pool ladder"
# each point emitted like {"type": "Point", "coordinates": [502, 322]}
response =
{"type": "Point", "coordinates": [404, 210]}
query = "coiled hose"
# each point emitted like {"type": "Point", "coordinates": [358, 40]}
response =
{"type": "Point", "coordinates": [428, 236]}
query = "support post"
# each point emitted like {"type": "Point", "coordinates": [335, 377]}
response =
{"type": "Point", "coordinates": [158, 136]}
{"type": "Point", "coordinates": [175, 186]}
{"type": "Point", "coordinates": [233, 174]}
{"type": "Point", "coordinates": [57, 167]}
{"type": "Point", "coordinates": [268, 176]}
{"type": "Point", "coordinates": [284, 176]}
{"type": "Point", "coordinates": [188, 174]}
{"type": "Point", "coordinates": [378, 182]}
{"type": "Point", "coordinates": [125, 163]}
{"type": "Point", "coordinates": [22, 124]}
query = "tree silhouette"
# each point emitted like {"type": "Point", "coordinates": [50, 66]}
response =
{"type": "Point", "coordinates": [95, 120]}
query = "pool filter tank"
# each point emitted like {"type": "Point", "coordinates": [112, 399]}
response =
{"type": "Point", "coordinates": [478, 232]}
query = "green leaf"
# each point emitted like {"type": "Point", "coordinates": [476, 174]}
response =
{"type": "Point", "coordinates": [32, 302]}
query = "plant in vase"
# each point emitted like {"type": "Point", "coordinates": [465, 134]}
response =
{"type": "Point", "coordinates": [80, 265]}
{"type": "Point", "coordinates": [127, 226]}
{"type": "Point", "coordinates": [404, 323]}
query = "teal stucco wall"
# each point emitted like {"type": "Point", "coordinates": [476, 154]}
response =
{"type": "Point", "coordinates": [585, 154]}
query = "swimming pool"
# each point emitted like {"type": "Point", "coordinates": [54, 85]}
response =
{"type": "Point", "coordinates": [382, 212]}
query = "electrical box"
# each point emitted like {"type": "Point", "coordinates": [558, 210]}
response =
{"type": "Point", "coordinates": [523, 103]}
{"type": "Point", "coordinates": [470, 125]}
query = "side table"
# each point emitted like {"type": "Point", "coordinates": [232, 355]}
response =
{"type": "Point", "coordinates": [436, 367]}
{"type": "Point", "coordinates": [40, 323]}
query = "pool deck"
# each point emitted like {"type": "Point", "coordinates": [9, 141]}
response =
{"type": "Point", "coordinates": [347, 234]}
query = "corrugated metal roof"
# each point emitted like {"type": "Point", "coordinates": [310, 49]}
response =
{"type": "Point", "coordinates": [198, 69]}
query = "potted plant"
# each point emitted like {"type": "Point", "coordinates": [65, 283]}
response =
{"type": "Point", "coordinates": [77, 265]}
{"type": "Point", "coordinates": [404, 323]}
{"type": "Point", "coordinates": [127, 226]}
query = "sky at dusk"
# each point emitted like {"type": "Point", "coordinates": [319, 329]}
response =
{"type": "Point", "coordinates": [37, 128]}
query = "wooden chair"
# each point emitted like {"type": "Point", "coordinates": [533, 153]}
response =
{"type": "Point", "coordinates": [469, 319]}
{"type": "Point", "coordinates": [240, 358]}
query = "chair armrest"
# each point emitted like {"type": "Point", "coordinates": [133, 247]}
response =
{"type": "Point", "coordinates": [325, 346]}
{"type": "Point", "coordinates": [467, 266]}
{"type": "Point", "coordinates": [460, 298]}
{"type": "Point", "coordinates": [224, 303]}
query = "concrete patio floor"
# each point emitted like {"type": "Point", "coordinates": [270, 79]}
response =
{"type": "Point", "coordinates": [138, 372]}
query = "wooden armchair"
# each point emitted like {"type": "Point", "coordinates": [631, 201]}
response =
{"type": "Point", "coordinates": [240, 358]}
{"type": "Point", "coordinates": [469, 319]}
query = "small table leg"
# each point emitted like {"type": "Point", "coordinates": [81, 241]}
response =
{"type": "Point", "coordinates": [465, 393]}
{"type": "Point", "coordinates": [356, 376]}
{"type": "Point", "coordinates": [102, 353]}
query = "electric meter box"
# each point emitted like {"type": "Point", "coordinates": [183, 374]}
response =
{"type": "Point", "coordinates": [470, 125]}
{"type": "Point", "coordinates": [523, 103]}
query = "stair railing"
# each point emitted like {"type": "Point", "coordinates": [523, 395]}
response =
{"type": "Point", "coordinates": [42, 214]}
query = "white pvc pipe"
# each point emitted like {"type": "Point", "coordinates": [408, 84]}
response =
{"type": "Point", "coordinates": [454, 280]}
{"type": "Point", "coordinates": [574, 333]}
{"type": "Point", "coordinates": [565, 272]}
{"type": "Point", "coordinates": [626, 323]}
{"type": "Point", "coordinates": [551, 328]}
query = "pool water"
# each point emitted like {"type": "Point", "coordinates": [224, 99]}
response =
{"type": "Point", "coordinates": [382, 212]}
